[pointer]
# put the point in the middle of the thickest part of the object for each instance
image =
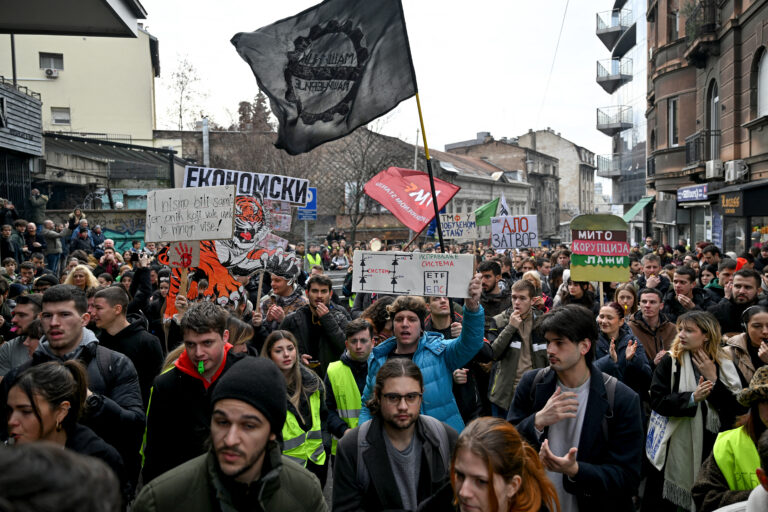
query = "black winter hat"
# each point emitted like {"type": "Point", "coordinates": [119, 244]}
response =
{"type": "Point", "coordinates": [258, 382]}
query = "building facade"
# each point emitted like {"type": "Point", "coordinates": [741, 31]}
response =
{"type": "Point", "coordinates": [576, 169]}
{"type": "Point", "coordinates": [538, 169]}
{"type": "Point", "coordinates": [711, 91]}
{"type": "Point", "coordinates": [102, 86]}
{"type": "Point", "coordinates": [623, 75]}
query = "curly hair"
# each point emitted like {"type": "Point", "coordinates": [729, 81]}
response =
{"type": "Point", "coordinates": [412, 303]}
{"type": "Point", "coordinates": [90, 279]}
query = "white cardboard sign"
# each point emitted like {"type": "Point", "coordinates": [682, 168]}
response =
{"type": "Point", "coordinates": [190, 214]}
{"type": "Point", "coordinates": [412, 273]}
{"type": "Point", "coordinates": [459, 226]}
{"type": "Point", "coordinates": [514, 232]}
{"type": "Point", "coordinates": [184, 254]}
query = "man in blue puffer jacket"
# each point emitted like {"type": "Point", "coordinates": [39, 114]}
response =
{"type": "Point", "coordinates": [435, 356]}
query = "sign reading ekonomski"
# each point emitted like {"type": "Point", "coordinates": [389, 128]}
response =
{"type": "Point", "coordinates": [271, 186]}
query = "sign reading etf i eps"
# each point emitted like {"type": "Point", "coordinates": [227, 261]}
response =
{"type": "Point", "coordinates": [599, 251]}
{"type": "Point", "coordinates": [514, 232]}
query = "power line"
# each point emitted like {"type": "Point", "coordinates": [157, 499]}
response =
{"type": "Point", "coordinates": [552, 67]}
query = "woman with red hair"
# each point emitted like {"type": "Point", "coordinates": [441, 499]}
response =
{"type": "Point", "coordinates": [493, 469]}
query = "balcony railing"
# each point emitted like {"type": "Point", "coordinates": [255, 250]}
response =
{"type": "Point", "coordinates": [612, 120]}
{"type": "Point", "coordinates": [608, 166]}
{"type": "Point", "coordinates": [612, 24]}
{"type": "Point", "coordinates": [613, 73]}
{"type": "Point", "coordinates": [701, 20]}
{"type": "Point", "coordinates": [702, 146]}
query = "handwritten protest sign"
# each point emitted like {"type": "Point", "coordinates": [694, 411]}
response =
{"type": "Point", "coordinates": [189, 214]}
{"type": "Point", "coordinates": [184, 254]}
{"type": "Point", "coordinates": [408, 273]}
{"type": "Point", "coordinates": [599, 251]}
{"type": "Point", "coordinates": [269, 186]}
{"type": "Point", "coordinates": [514, 232]}
{"type": "Point", "coordinates": [459, 226]}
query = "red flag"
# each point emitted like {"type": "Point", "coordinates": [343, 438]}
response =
{"type": "Point", "coordinates": [407, 195]}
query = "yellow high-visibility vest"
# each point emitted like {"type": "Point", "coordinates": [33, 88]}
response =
{"type": "Point", "coordinates": [301, 446]}
{"type": "Point", "coordinates": [347, 395]}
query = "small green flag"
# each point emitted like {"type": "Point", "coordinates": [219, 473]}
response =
{"type": "Point", "coordinates": [484, 213]}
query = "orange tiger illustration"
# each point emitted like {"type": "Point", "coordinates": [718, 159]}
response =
{"type": "Point", "coordinates": [222, 260]}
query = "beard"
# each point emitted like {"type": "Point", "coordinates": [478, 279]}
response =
{"type": "Point", "coordinates": [234, 472]}
{"type": "Point", "coordinates": [395, 423]}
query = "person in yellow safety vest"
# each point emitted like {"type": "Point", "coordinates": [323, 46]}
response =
{"type": "Point", "coordinates": [729, 475]}
{"type": "Point", "coordinates": [345, 380]}
{"type": "Point", "coordinates": [305, 435]}
{"type": "Point", "coordinates": [313, 257]}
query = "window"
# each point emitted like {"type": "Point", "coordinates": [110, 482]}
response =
{"type": "Point", "coordinates": [51, 60]}
{"type": "Point", "coordinates": [672, 122]}
{"type": "Point", "coordinates": [762, 86]}
{"type": "Point", "coordinates": [60, 115]}
{"type": "Point", "coordinates": [673, 22]}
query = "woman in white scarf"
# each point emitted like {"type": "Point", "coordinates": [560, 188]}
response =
{"type": "Point", "coordinates": [693, 398]}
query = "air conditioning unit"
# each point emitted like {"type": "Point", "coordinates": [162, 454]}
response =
{"type": "Point", "coordinates": [714, 169]}
{"type": "Point", "coordinates": [51, 73]}
{"type": "Point", "coordinates": [735, 170]}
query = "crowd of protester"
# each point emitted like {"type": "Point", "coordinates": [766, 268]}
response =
{"type": "Point", "coordinates": [533, 392]}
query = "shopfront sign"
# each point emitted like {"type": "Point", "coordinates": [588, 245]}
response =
{"type": "Point", "coordinates": [732, 204]}
{"type": "Point", "coordinates": [694, 193]}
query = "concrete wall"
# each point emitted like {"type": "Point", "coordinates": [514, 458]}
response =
{"type": "Point", "coordinates": [107, 82]}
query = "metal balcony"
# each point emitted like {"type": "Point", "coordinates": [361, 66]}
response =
{"type": "Point", "coordinates": [702, 146]}
{"type": "Point", "coordinates": [609, 166]}
{"type": "Point", "coordinates": [701, 32]}
{"type": "Point", "coordinates": [613, 73]}
{"type": "Point", "coordinates": [612, 24]}
{"type": "Point", "coordinates": [612, 120]}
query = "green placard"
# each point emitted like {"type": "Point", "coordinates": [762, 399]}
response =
{"type": "Point", "coordinates": [599, 250]}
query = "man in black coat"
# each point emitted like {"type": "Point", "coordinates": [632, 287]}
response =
{"type": "Point", "coordinates": [318, 326]}
{"type": "Point", "coordinates": [114, 408]}
{"type": "Point", "coordinates": [130, 338]}
{"type": "Point", "coordinates": [586, 426]}
{"type": "Point", "coordinates": [684, 295]}
{"type": "Point", "coordinates": [743, 294]}
{"type": "Point", "coordinates": [179, 414]}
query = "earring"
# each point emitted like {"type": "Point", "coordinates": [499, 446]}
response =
{"type": "Point", "coordinates": [58, 426]}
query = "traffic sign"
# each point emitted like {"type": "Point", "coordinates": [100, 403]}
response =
{"type": "Point", "coordinates": [311, 201]}
{"type": "Point", "coordinates": [307, 214]}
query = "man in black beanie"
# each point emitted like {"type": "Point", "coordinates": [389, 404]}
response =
{"type": "Point", "coordinates": [244, 468]}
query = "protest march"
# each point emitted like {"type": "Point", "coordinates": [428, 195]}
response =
{"type": "Point", "coordinates": [483, 354]}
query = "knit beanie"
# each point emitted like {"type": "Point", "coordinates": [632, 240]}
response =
{"type": "Point", "coordinates": [258, 382]}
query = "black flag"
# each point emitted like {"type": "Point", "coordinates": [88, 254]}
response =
{"type": "Point", "coordinates": [330, 69]}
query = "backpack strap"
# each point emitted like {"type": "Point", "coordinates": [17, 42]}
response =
{"type": "Point", "coordinates": [610, 389]}
{"type": "Point", "coordinates": [363, 478]}
{"type": "Point", "coordinates": [104, 363]}
{"type": "Point", "coordinates": [538, 378]}
{"type": "Point", "coordinates": [437, 429]}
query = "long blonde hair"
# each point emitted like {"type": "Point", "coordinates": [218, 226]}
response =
{"type": "Point", "coordinates": [90, 279]}
{"type": "Point", "coordinates": [706, 323]}
{"type": "Point", "coordinates": [295, 384]}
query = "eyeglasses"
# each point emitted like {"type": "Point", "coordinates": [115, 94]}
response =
{"type": "Point", "coordinates": [395, 398]}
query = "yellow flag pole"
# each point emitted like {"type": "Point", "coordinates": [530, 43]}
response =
{"type": "Point", "coordinates": [431, 176]}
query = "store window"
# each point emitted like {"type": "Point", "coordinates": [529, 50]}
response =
{"type": "Point", "coordinates": [733, 235]}
{"type": "Point", "coordinates": [762, 86]}
{"type": "Point", "coordinates": [759, 231]}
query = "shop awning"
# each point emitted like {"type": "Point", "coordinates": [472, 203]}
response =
{"type": "Point", "coordinates": [642, 203]}
{"type": "Point", "coordinates": [739, 187]}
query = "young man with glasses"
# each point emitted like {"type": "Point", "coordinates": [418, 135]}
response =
{"type": "Point", "coordinates": [400, 459]}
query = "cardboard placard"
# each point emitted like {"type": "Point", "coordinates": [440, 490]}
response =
{"type": "Point", "coordinates": [412, 273]}
{"type": "Point", "coordinates": [514, 232]}
{"type": "Point", "coordinates": [461, 227]}
{"type": "Point", "coordinates": [190, 214]}
{"type": "Point", "coordinates": [184, 254]}
{"type": "Point", "coordinates": [280, 222]}
{"type": "Point", "coordinates": [273, 242]}
{"type": "Point", "coordinates": [600, 250]}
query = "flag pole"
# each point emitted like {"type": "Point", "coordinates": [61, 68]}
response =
{"type": "Point", "coordinates": [431, 176]}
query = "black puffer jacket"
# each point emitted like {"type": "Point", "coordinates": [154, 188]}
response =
{"type": "Point", "coordinates": [673, 309]}
{"type": "Point", "coordinates": [118, 417]}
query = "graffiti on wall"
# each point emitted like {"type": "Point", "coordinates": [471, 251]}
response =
{"type": "Point", "coordinates": [123, 226]}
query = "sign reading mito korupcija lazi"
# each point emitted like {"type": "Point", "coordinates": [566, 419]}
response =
{"type": "Point", "coordinates": [600, 250]}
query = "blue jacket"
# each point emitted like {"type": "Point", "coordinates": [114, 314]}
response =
{"type": "Point", "coordinates": [437, 358]}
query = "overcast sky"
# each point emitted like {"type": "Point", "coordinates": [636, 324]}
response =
{"type": "Point", "coordinates": [481, 65]}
